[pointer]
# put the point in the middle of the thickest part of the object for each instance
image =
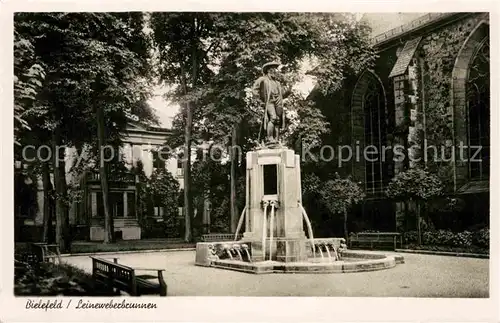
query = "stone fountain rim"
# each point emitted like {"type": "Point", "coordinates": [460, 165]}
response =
{"type": "Point", "coordinates": [269, 267]}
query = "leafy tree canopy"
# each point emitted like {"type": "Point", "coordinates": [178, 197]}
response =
{"type": "Point", "coordinates": [91, 60]}
{"type": "Point", "coordinates": [340, 194]}
{"type": "Point", "coordinates": [213, 58]}
{"type": "Point", "coordinates": [416, 184]}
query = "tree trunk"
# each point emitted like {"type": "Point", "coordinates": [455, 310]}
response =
{"type": "Point", "coordinates": [405, 214]}
{"type": "Point", "coordinates": [428, 220]}
{"type": "Point", "coordinates": [234, 164]}
{"type": "Point", "coordinates": [206, 211]}
{"type": "Point", "coordinates": [188, 235]}
{"type": "Point", "coordinates": [419, 231]}
{"type": "Point", "coordinates": [63, 238]}
{"type": "Point", "coordinates": [47, 210]}
{"type": "Point", "coordinates": [187, 174]}
{"type": "Point", "coordinates": [103, 173]}
{"type": "Point", "coordinates": [346, 232]}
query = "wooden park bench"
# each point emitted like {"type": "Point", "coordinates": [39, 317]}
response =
{"type": "Point", "coordinates": [372, 239]}
{"type": "Point", "coordinates": [45, 252]}
{"type": "Point", "coordinates": [214, 237]}
{"type": "Point", "coordinates": [115, 276]}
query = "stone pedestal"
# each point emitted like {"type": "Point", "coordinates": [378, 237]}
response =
{"type": "Point", "coordinates": [291, 250]}
{"type": "Point", "coordinates": [273, 182]}
{"type": "Point", "coordinates": [281, 249]}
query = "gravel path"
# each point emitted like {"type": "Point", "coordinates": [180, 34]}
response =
{"type": "Point", "coordinates": [420, 276]}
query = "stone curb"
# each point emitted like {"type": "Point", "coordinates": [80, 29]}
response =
{"type": "Point", "coordinates": [445, 253]}
{"type": "Point", "coordinates": [123, 252]}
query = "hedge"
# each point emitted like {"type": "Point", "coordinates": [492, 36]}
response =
{"type": "Point", "coordinates": [465, 239]}
{"type": "Point", "coordinates": [448, 238]}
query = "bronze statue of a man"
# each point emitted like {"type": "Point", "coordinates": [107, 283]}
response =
{"type": "Point", "coordinates": [268, 90]}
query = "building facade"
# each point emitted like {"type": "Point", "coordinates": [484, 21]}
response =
{"type": "Point", "coordinates": [140, 143]}
{"type": "Point", "coordinates": [429, 94]}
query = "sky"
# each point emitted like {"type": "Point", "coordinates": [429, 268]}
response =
{"type": "Point", "coordinates": [164, 110]}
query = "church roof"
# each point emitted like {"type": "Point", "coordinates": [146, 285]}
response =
{"type": "Point", "coordinates": [418, 23]}
{"type": "Point", "coordinates": [405, 57]}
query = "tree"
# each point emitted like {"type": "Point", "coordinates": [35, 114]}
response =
{"type": "Point", "coordinates": [44, 116]}
{"type": "Point", "coordinates": [122, 50]}
{"type": "Point", "coordinates": [417, 185]}
{"type": "Point", "coordinates": [161, 190]}
{"type": "Point", "coordinates": [339, 195]}
{"type": "Point", "coordinates": [83, 52]}
{"type": "Point", "coordinates": [183, 63]}
{"type": "Point", "coordinates": [28, 77]}
{"type": "Point", "coordinates": [28, 81]}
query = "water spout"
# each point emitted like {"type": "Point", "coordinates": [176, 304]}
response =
{"type": "Point", "coordinates": [237, 247]}
{"type": "Point", "coordinates": [271, 229]}
{"type": "Point", "coordinates": [240, 223]}
{"type": "Point", "coordinates": [264, 231]}
{"type": "Point", "coordinates": [245, 248]}
{"type": "Point", "coordinates": [320, 251]}
{"type": "Point", "coordinates": [342, 248]}
{"type": "Point", "coordinates": [335, 253]}
{"type": "Point", "coordinates": [228, 251]}
{"type": "Point", "coordinates": [309, 229]}
{"type": "Point", "coordinates": [328, 252]}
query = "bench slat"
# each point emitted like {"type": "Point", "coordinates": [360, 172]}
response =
{"type": "Point", "coordinates": [373, 238]}
{"type": "Point", "coordinates": [121, 277]}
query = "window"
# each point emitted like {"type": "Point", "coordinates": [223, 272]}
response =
{"type": "Point", "coordinates": [131, 205]}
{"type": "Point", "coordinates": [270, 179]}
{"type": "Point", "coordinates": [180, 165]}
{"type": "Point", "coordinates": [115, 204]}
{"type": "Point", "coordinates": [478, 99]}
{"type": "Point", "coordinates": [159, 211]}
{"type": "Point", "coordinates": [374, 110]}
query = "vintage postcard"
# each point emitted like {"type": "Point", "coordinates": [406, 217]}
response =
{"type": "Point", "coordinates": [301, 163]}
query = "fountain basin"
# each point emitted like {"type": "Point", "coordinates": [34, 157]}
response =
{"type": "Point", "coordinates": [351, 261]}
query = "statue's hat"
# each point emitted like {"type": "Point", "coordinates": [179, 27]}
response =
{"type": "Point", "coordinates": [268, 65]}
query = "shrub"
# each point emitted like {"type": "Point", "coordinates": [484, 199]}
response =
{"type": "Point", "coordinates": [481, 238]}
{"type": "Point", "coordinates": [439, 237]}
{"type": "Point", "coordinates": [47, 279]}
{"type": "Point", "coordinates": [462, 239]}
{"type": "Point", "coordinates": [449, 238]}
{"type": "Point", "coordinates": [410, 236]}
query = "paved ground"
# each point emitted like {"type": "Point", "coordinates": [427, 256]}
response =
{"type": "Point", "coordinates": [420, 276]}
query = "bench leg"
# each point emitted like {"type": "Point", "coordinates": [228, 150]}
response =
{"type": "Point", "coordinates": [163, 285]}
{"type": "Point", "coordinates": [110, 282]}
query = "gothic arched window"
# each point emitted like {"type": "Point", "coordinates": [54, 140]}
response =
{"type": "Point", "coordinates": [478, 99]}
{"type": "Point", "coordinates": [375, 136]}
